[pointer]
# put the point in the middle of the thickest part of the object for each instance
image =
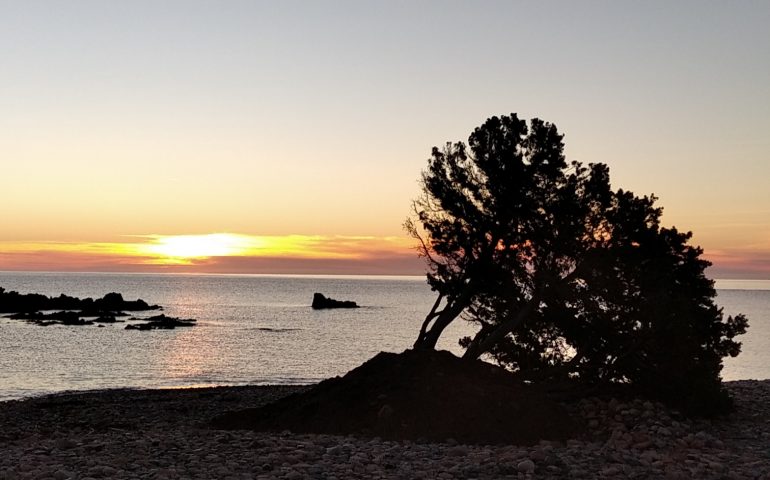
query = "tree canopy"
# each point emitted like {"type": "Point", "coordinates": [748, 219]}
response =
{"type": "Point", "coordinates": [563, 275]}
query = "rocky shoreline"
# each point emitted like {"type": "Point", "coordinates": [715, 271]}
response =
{"type": "Point", "coordinates": [164, 434]}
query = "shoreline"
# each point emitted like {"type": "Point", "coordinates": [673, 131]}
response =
{"type": "Point", "coordinates": [130, 390]}
{"type": "Point", "coordinates": [163, 433]}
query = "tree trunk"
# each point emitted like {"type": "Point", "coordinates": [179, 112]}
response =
{"type": "Point", "coordinates": [428, 318]}
{"type": "Point", "coordinates": [482, 344]}
{"type": "Point", "coordinates": [428, 339]}
{"type": "Point", "coordinates": [429, 336]}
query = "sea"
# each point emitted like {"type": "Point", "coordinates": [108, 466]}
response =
{"type": "Point", "coordinates": [259, 330]}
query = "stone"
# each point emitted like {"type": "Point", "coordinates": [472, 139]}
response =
{"type": "Point", "coordinates": [62, 475]}
{"type": "Point", "coordinates": [335, 450]}
{"type": "Point", "coordinates": [458, 451]}
{"type": "Point", "coordinates": [65, 444]}
{"type": "Point", "coordinates": [538, 455]}
{"type": "Point", "coordinates": [526, 466]}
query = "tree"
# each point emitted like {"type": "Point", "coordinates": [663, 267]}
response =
{"type": "Point", "coordinates": [563, 275]}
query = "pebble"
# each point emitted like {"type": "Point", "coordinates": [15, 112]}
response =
{"type": "Point", "coordinates": [61, 475]}
{"type": "Point", "coordinates": [624, 439]}
{"type": "Point", "coordinates": [526, 466]}
{"type": "Point", "coordinates": [458, 451]}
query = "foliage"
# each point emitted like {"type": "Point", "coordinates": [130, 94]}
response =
{"type": "Point", "coordinates": [563, 275]}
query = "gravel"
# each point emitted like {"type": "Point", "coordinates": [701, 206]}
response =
{"type": "Point", "coordinates": [162, 434]}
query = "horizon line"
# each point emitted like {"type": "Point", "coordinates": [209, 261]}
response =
{"type": "Point", "coordinates": [289, 274]}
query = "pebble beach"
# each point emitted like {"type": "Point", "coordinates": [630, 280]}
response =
{"type": "Point", "coordinates": [164, 434]}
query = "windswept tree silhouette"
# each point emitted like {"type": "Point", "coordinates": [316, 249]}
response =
{"type": "Point", "coordinates": [563, 275]}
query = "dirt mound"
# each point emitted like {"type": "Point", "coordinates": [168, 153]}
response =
{"type": "Point", "coordinates": [416, 395]}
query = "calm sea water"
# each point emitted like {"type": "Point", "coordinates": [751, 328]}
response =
{"type": "Point", "coordinates": [256, 330]}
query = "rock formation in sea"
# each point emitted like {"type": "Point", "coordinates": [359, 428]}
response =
{"type": "Point", "coordinates": [160, 322]}
{"type": "Point", "coordinates": [71, 311]}
{"type": "Point", "coordinates": [320, 301]}
{"type": "Point", "coordinates": [15, 302]}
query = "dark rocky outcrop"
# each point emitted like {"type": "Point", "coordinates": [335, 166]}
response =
{"type": "Point", "coordinates": [87, 311]}
{"type": "Point", "coordinates": [160, 322]}
{"type": "Point", "coordinates": [320, 301]}
{"type": "Point", "coordinates": [55, 318]}
{"type": "Point", "coordinates": [114, 302]}
{"type": "Point", "coordinates": [107, 318]}
{"type": "Point", "coordinates": [15, 302]}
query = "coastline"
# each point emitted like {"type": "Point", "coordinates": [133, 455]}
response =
{"type": "Point", "coordinates": [164, 434]}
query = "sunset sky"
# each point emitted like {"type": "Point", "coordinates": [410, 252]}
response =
{"type": "Point", "coordinates": [288, 137]}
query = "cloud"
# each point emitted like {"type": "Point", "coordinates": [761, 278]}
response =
{"type": "Point", "coordinates": [739, 263]}
{"type": "Point", "coordinates": [288, 254]}
{"type": "Point", "coordinates": [220, 253]}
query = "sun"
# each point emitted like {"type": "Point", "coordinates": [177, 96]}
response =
{"type": "Point", "coordinates": [199, 246]}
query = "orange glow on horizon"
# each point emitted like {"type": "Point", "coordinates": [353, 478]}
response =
{"type": "Point", "coordinates": [195, 246]}
{"type": "Point", "coordinates": [200, 252]}
{"type": "Point", "coordinates": [294, 254]}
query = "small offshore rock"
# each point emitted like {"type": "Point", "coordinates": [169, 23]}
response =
{"type": "Point", "coordinates": [320, 301]}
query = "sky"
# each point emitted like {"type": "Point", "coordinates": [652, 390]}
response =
{"type": "Point", "coordinates": [288, 136]}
